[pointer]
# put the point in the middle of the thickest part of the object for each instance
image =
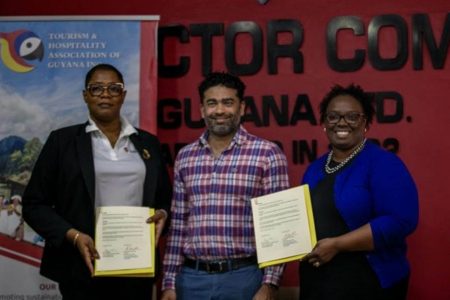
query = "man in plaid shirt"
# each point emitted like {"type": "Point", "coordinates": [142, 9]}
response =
{"type": "Point", "coordinates": [211, 252]}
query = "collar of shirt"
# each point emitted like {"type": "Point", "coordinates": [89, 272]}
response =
{"type": "Point", "coordinates": [238, 139]}
{"type": "Point", "coordinates": [123, 141]}
{"type": "Point", "coordinates": [126, 128]}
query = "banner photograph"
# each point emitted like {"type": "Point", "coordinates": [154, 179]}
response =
{"type": "Point", "coordinates": [293, 57]}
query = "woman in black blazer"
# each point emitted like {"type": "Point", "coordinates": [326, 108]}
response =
{"type": "Point", "coordinates": [88, 165]}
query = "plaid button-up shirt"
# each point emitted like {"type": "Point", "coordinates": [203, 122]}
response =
{"type": "Point", "coordinates": [211, 209]}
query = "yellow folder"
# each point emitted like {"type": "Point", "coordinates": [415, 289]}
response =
{"type": "Point", "coordinates": [147, 271]}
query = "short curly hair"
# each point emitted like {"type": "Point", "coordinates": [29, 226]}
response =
{"type": "Point", "coordinates": [353, 90]}
{"type": "Point", "coordinates": [222, 78]}
{"type": "Point", "coordinates": [102, 67]}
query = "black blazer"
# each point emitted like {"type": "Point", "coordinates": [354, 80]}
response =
{"type": "Point", "coordinates": [60, 195]}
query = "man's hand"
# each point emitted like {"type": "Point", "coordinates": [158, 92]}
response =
{"type": "Point", "coordinates": [265, 292]}
{"type": "Point", "coordinates": [169, 295]}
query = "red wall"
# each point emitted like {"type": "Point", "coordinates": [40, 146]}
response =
{"type": "Point", "coordinates": [421, 132]}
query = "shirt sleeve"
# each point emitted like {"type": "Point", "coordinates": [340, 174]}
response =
{"type": "Point", "coordinates": [395, 202]}
{"type": "Point", "coordinates": [276, 172]}
{"type": "Point", "coordinates": [173, 258]}
{"type": "Point", "coordinates": [275, 179]}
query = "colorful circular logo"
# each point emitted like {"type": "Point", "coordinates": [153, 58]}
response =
{"type": "Point", "coordinates": [19, 47]}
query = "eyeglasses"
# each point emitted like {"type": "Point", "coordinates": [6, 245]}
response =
{"type": "Point", "coordinates": [352, 118]}
{"type": "Point", "coordinates": [114, 89]}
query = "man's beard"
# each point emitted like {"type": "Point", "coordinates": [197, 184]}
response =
{"type": "Point", "coordinates": [224, 129]}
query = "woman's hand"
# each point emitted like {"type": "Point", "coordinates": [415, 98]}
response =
{"type": "Point", "coordinates": [85, 246]}
{"type": "Point", "coordinates": [323, 252]}
{"type": "Point", "coordinates": [357, 240]}
{"type": "Point", "coordinates": [159, 218]}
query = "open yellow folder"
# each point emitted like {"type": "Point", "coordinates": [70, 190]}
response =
{"type": "Point", "coordinates": [126, 243]}
{"type": "Point", "coordinates": [284, 226]}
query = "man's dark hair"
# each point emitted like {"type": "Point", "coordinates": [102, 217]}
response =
{"type": "Point", "coordinates": [102, 67]}
{"type": "Point", "coordinates": [365, 99]}
{"type": "Point", "coordinates": [225, 79]}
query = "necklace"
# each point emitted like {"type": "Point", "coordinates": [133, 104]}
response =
{"type": "Point", "coordinates": [345, 161]}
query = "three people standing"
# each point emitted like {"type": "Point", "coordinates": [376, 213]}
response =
{"type": "Point", "coordinates": [364, 200]}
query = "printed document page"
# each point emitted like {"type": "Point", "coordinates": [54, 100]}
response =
{"type": "Point", "coordinates": [123, 239]}
{"type": "Point", "coordinates": [284, 225]}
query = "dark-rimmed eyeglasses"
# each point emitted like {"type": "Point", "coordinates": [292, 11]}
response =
{"type": "Point", "coordinates": [351, 118]}
{"type": "Point", "coordinates": [114, 89]}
